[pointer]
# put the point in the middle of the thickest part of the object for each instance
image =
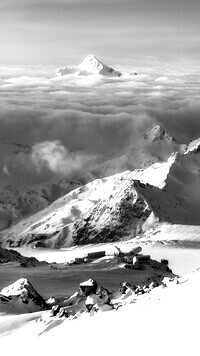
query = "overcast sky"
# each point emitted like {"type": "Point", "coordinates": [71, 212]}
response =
{"type": "Point", "coordinates": [65, 31]}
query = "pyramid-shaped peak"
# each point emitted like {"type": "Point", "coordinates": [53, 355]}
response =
{"type": "Point", "coordinates": [157, 133]}
{"type": "Point", "coordinates": [91, 56]}
{"type": "Point", "coordinates": [91, 60]}
{"type": "Point", "coordinates": [92, 65]}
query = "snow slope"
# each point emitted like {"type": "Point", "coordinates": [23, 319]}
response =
{"type": "Point", "coordinates": [173, 233]}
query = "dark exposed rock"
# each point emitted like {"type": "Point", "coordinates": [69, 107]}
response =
{"type": "Point", "coordinates": [7, 255]}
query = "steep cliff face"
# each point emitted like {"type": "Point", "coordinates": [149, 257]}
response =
{"type": "Point", "coordinates": [113, 219]}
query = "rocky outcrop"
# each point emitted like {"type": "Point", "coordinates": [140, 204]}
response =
{"type": "Point", "coordinates": [91, 297]}
{"type": "Point", "coordinates": [22, 297]}
{"type": "Point", "coordinates": [157, 133]}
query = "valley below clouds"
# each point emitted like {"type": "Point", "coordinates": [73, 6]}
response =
{"type": "Point", "coordinates": [75, 126]}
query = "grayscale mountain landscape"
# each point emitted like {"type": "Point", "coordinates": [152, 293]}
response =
{"type": "Point", "coordinates": [99, 177]}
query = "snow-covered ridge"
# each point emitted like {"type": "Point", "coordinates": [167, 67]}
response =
{"type": "Point", "coordinates": [91, 65]}
{"type": "Point", "coordinates": [18, 202]}
{"type": "Point", "coordinates": [193, 146]}
{"type": "Point", "coordinates": [107, 209]}
{"type": "Point", "coordinates": [118, 207]}
{"type": "Point", "coordinates": [155, 146]}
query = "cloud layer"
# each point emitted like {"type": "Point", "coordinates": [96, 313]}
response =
{"type": "Point", "coordinates": [54, 156]}
{"type": "Point", "coordinates": [70, 126]}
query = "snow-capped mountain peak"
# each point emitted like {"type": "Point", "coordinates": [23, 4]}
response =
{"type": "Point", "coordinates": [157, 133]}
{"type": "Point", "coordinates": [89, 61]}
{"type": "Point", "coordinates": [91, 65]}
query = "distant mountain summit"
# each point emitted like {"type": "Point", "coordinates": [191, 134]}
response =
{"type": "Point", "coordinates": [157, 133]}
{"type": "Point", "coordinates": [91, 65]}
{"type": "Point", "coordinates": [94, 66]}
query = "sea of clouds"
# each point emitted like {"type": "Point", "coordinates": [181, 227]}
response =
{"type": "Point", "coordinates": [54, 126]}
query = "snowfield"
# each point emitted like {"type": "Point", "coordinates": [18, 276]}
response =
{"type": "Point", "coordinates": [173, 233]}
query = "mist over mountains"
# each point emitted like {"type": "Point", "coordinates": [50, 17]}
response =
{"type": "Point", "coordinates": [74, 124]}
{"type": "Point", "coordinates": [99, 177]}
{"type": "Point", "coordinates": [60, 132]}
{"type": "Point", "coordinates": [118, 207]}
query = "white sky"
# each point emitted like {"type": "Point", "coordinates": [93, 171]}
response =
{"type": "Point", "coordinates": [65, 31]}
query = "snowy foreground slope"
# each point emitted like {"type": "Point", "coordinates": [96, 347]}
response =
{"type": "Point", "coordinates": [162, 322]}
